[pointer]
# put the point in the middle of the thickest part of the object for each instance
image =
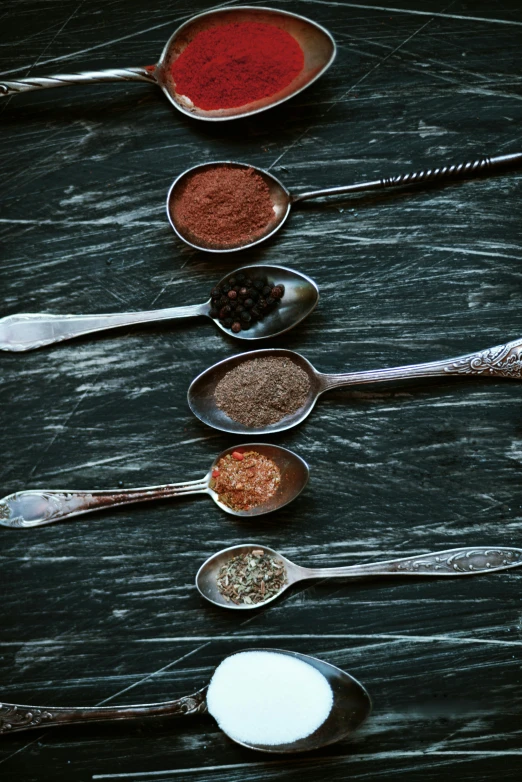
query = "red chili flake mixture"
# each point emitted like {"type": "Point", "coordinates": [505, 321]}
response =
{"type": "Point", "coordinates": [245, 480]}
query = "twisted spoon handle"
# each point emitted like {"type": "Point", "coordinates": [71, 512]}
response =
{"type": "Point", "coordinates": [34, 508]}
{"type": "Point", "coordinates": [146, 73]}
{"type": "Point", "coordinates": [500, 361]}
{"type": "Point", "coordinates": [15, 717]}
{"type": "Point", "coordinates": [471, 168]}
{"type": "Point", "coordinates": [28, 331]}
{"type": "Point", "coordinates": [453, 562]}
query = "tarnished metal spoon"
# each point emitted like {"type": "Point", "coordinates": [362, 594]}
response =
{"type": "Point", "coordinates": [468, 561]}
{"type": "Point", "coordinates": [36, 507]}
{"type": "Point", "coordinates": [501, 361]}
{"type": "Point", "coordinates": [29, 331]}
{"type": "Point", "coordinates": [317, 44]}
{"type": "Point", "coordinates": [351, 706]}
{"type": "Point", "coordinates": [283, 200]}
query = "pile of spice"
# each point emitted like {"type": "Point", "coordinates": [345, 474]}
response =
{"type": "Point", "coordinates": [231, 65]}
{"type": "Point", "coordinates": [223, 206]}
{"type": "Point", "coordinates": [251, 578]}
{"type": "Point", "coordinates": [268, 698]}
{"type": "Point", "coordinates": [262, 391]}
{"type": "Point", "coordinates": [242, 301]}
{"type": "Point", "coordinates": [243, 481]}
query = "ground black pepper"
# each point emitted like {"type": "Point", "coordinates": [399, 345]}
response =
{"type": "Point", "coordinates": [261, 391]}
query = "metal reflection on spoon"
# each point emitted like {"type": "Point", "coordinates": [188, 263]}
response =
{"type": "Point", "coordinates": [34, 508]}
{"type": "Point", "coordinates": [283, 200]}
{"type": "Point", "coordinates": [502, 361]}
{"type": "Point", "coordinates": [29, 331]}
{"type": "Point", "coordinates": [467, 561]}
{"type": "Point", "coordinates": [351, 706]}
{"type": "Point", "coordinates": [317, 44]}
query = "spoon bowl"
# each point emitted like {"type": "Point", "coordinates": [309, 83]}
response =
{"type": "Point", "coordinates": [36, 507]}
{"type": "Point", "coordinates": [279, 195]}
{"type": "Point", "coordinates": [466, 561]}
{"type": "Point", "coordinates": [316, 43]}
{"type": "Point", "coordinates": [501, 361]}
{"type": "Point", "coordinates": [351, 706]}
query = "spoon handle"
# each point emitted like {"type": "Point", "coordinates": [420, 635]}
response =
{"type": "Point", "coordinates": [15, 717]}
{"type": "Point", "coordinates": [500, 361]}
{"type": "Point", "coordinates": [454, 562]}
{"type": "Point", "coordinates": [33, 508]}
{"type": "Point", "coordinates": [471, 168]}
{"type": "Point", "coordinates": [28, 331]}
{"type": "Point", "coordinates": [146, 73]}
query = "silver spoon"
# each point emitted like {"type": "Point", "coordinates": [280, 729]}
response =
{"type": "Point", "coordinates": [36, 507]}
{"type": "Point", "coordinates": [351, 706]}
{"type": "Point", "coordinates": [466, 561]}
{"type": "Point", "coordinates": [29, 331]}
{"type": "Point", "coordinates": [317, 44]}
{"type": "Point", "coordinates": [283, 200]}
{"type": "Point", "coordinates": [500, 361]}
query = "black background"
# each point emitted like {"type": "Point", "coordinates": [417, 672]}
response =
{"type": "Point", "coordinates": [104, 608]}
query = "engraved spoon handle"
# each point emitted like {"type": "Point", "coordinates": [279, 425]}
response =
{"type": "Point", "coordinates": [33, 508]}
{"type": "Point", "coordinates": [28, 331]}
{"type": "Point", "coordinates": [466, 561]}
{"type": "Point", "coordinates": [17, 86]}
{"type": "Point", "coordinates": [15, 717]}
{"type": "Point", "coordinates": [463, 170]}
{"type": "Point", "coordinates": [500, 361]}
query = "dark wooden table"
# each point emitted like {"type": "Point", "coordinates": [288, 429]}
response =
{"type": "Point", "coordinates": [103, 609]}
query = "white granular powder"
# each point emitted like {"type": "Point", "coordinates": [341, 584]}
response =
{"type": "Point", "coordinates": [268, 698]}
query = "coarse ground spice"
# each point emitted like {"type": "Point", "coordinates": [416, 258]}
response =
{"type": "Point", "coordinates": [224, 206]}
{"type": "Point", "coordinates": [245, 480]}
{"type": "Point", "coordinates": [261, 391]}
{"type": "Point", "coordinates": [251, 578]}
{"type": "Point", "coordinates": [231, 65]}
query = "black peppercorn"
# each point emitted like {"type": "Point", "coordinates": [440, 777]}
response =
{"type": "Point", "coordinates": [248, 303]}
{"type": "Point", "coordinates": [228, 322]}
{"type": "Point", "coordinates": [243, 291]}
{"type": "Point", "coordinates": [233, 294]}
{"type": "Point", "coordinates": [245, 317]}
{"type": "Point", "coordinates": [214, 313]}
{"type": "Point", "coordinates": [215, 293]}
{"type": "Point", "coordinates": [259, 284]}
{"type": "Point", "coordinates": [225, 312]}
{"type": "Point", "coordinates": [232, 281]}
{"type": "Point", "coordinates": [276, 292]}
{"type": "Point", "coordinates": [236, 327]}
{"type": "Point", "coordinates": [266, 291]}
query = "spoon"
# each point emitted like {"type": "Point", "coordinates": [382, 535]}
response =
{"type": "Point", "coordinates": [283, 200]}
{"type": "Point", "coordinates": [36, 507]}
{"type": "Point", "coordinates": [453, 562]}
{"type": "Point", "coordinates": [317, 44]}
{"type": "Point", "coordinates": [351, 706]}
{"type": "Point", "coordinates": [29, 331]}
{"type": "Point", "coordinates": [500, 361]}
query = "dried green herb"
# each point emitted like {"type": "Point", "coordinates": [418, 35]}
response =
{"type": "Point", "coordinates": [251, 578]}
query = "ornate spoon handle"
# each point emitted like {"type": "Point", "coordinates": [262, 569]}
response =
{"type": "Point", "coordinates": [15, 717]}
{"type": "Point", "coordinates": [471, 168]}
{"type": "Point", "coordinates": [37, 507]}
{"type": "Point", "coordinates": [453, 562]}
{"type": "Point", "coordinates": [28, 331]}
{"type": "Point", "coordinates": [500, 361]}
{"type": "Point", "coordinates": [146, 73]}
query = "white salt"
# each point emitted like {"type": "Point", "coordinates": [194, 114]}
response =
{"type": "Point", "coordinates": [268, 698]}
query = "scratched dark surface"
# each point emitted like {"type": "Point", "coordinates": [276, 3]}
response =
{"type": "Point", "coordinates": [104, 608]}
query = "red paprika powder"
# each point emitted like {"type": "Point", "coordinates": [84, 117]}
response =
{"type": "Point", "coordinates": [234, 64]}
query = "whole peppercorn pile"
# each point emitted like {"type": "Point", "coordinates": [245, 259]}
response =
{"type": "Point", "coordinates": [242, 301]}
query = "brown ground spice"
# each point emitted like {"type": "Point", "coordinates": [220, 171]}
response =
{"type": "Point", "coordinates": [245, 480]}
{"type": "Point", "coordinates": [224, 206]}
{"type": "Point", "coordinates": [261, 391]}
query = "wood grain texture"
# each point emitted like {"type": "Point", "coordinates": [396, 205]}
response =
{"type": "Point", "coordinates": [104, 608]}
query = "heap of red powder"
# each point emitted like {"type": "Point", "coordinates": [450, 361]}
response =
{"type": "Point", "coordinates": [223, 206]}
{"type": "Point", "coordinates": [234, 64]}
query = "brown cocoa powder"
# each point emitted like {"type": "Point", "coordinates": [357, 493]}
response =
{"type": "Point", "coordinates": [223, 206]}
{"type": "Point", "coordinates": [262, 391]}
